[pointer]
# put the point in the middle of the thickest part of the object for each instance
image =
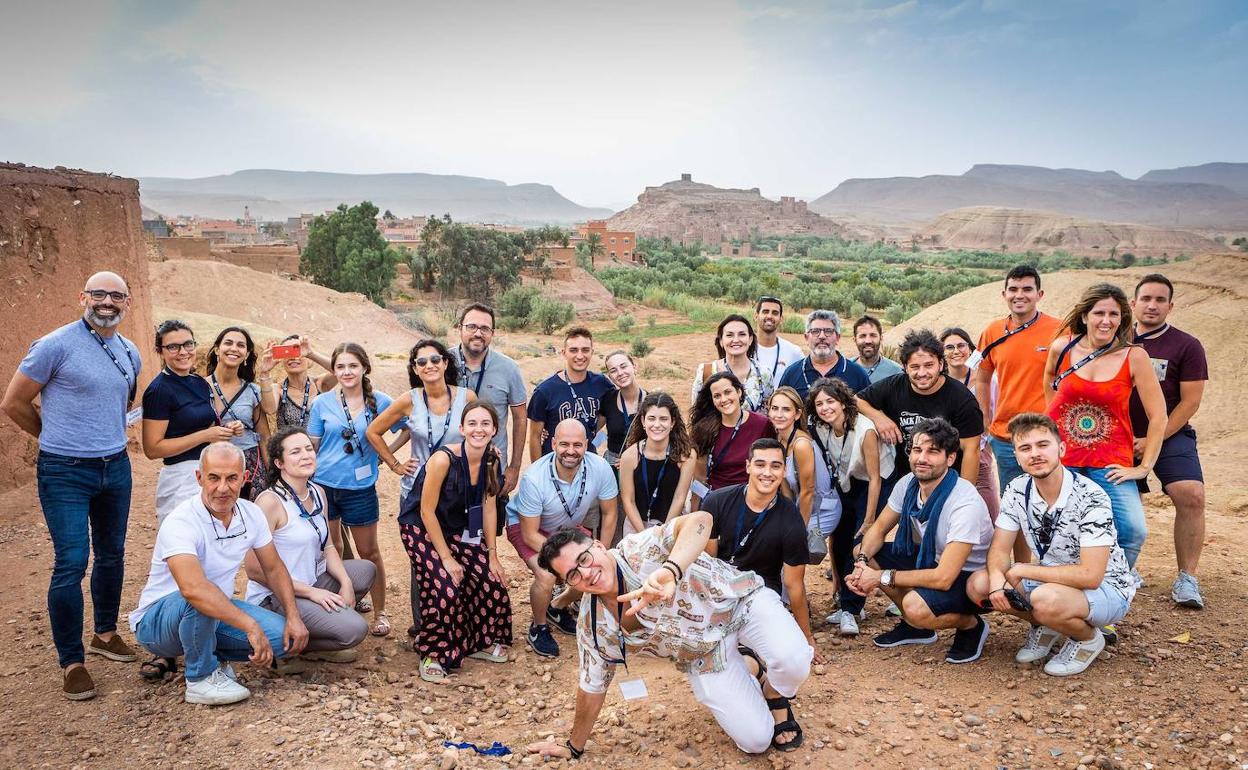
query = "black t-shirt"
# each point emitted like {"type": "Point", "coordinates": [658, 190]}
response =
{"type": "Point", "coordinates": [780, 538]}
{"type": "Point", "coordinates": [663, 474]}
{"type": "Point", "coordinates": [897, 400]}
{"type": "Point", "coordinates": [617, 423]}
{"type": "Point", "coordinates": [186, 402]}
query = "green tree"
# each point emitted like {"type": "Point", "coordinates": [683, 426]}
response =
{"type": "Point", "coordinates": [589, 250]}
{"type": "Point", "coordinates": [551, 314]}
{"type": "Point", "coordinates": [641, 347]}
{"type": "Point", "coordinates": [345, 252]}
{"type": "Point", "coordinates": [515, 306]}
{"type": "Point", "coordinates": [625, 322]}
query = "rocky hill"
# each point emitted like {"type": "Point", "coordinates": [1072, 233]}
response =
{"type": "Point", "coordinates": [685, 210]}
{"type": "Point", "coordinates": [1174, 202]}
{"type": "Point", "coordinates": [274, 194]}
{"type": "Point", "coordinates": [1233, 176]}
{"type": "Point", "coordinates": [989, 227]}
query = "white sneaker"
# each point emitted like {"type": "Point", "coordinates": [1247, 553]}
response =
{"type": "Point", "coordinates": [228, 670]}
{"type": "Point", "coordinates": [216, 690]}
{"type": "Point", "coordinates": [1075, 657]}
{"type": "Point", "coordinates": [835, 617]}
{"type": "Point", "coordinates": [1038, 645]}
{"type": "Point", "coordinates": [849, 624]}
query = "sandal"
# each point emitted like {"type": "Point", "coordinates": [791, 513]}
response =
{"type": "Point", "coordinates": [762, 667]}
{"type": "Point", "coordinates": [432, 671]}
{"type": "Point", "coordinates": [158, 669]}
{"type": "Point", "coordinates": [364, 606]}
{"type": "Point", "coordinates": [381, 627]}
{"type": "Point", "coordinates": [496, 654]}
{"type": "Point", "coordinates": [789, 725]}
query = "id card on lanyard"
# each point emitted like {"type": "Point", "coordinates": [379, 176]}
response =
{"type": "Point", "coordinates": [365, 471]}
{"type": "Point", "coordinates": [474, 500]}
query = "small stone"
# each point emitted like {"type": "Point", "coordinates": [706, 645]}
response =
{"type": "Point", "coordinates": [392, 677]}
{"type": "Point", "coordinates": [279, 740]}
{"type": "Point", "coordinates": [840, 744]}
{"type": "Point", "coordinates": [820, 670]}
{"type": "Point", "coordinates": [449, 760]}
{"type": "Point", "coordinates": [1226, 738]}
{"type": "Point", "coordinates": [1087, 759]}
{"type": "Point", "coordinates": [972, 720]}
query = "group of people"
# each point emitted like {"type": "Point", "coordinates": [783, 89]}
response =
{"type": "Point", "coordinates": [967, 476]}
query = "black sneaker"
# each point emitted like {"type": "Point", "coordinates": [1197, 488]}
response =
{"type": "Point", "coordinates": [542, 642]}
{"type": "Point", "coordinates": [904, 633]}
{"type": "Point", "coordinates": [562, 620]}
{"type": "Point", "coordinates": [968, 645]}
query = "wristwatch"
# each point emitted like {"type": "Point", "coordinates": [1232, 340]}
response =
{"type": "Point", "coordinates": [886, 578]}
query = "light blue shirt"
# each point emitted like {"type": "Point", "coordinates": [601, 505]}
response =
{"type": "Point", "coordinates": [537, 494]}
{"type": "Point", "coordinates": [883, 369]}
{"type": "Point", "coordinates": [334, 467]}
{"type": "Point", "coordinates": [85, 396]}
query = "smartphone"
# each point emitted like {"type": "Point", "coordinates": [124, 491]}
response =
{"type": "Point", "coordinates": [283, 352]}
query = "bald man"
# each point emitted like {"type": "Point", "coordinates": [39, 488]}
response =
{"type": "Point", "coordinates": [85, 375]}
{"type": "Point", "coordinates": [557, 490]}
{"type": "Point", "coordinates": [187, 608]}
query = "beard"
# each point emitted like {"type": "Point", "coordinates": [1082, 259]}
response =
{"type": "Point", "coordinates": [105, 322]}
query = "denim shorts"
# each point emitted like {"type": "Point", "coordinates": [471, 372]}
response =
{"type": "Point", "coordinates": [1106, 604]}
{"type": "Point", "coordinates": [356, 507]}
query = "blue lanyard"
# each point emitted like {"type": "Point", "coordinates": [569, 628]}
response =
{"type": "Point", "coordinates": [307, 391]}
{"type": "Point", "coordinates": [1036, 534]}
{"type": "Point", "coordinates": [131, 378]}
{"type": "Point", "coordinates": [740, 540]}
{"type": "Point", "coordinates": [651, 496]}
{"type": "Point", "coordinates": [463, 366]}
{"type": "Point", "coordinates": [446, 426]}
{"type": "Point", "coordinates": [354, 438]}
{"type": "Point", "coordinates": [309, 517]}
{"type": "Point", "coordinates": [619, 615]}
{"type": "Point", "coordinates": [628, 423]}
{"type": "Point", "coordinates": [227, 407]}
{"type": "Point", "coordinates": [554, 481]}
{"type": "Point", "coordinates": [591, 427]}
{"type": "Point", "coordinates": [714, 459]}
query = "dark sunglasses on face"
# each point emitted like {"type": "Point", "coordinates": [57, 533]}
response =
{"type": "Point", "coordinates": [100, 294]}
{"type": "Point", "coordinates": [174, 347]}
{"type": "Point", "coordinates": [426, 360]}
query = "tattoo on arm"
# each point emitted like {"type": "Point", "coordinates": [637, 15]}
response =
{"type": "Point", "coordinates": [701, 528]}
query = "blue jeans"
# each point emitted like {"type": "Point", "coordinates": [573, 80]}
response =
{"type": "Point", "coordinates": [172, 627]}
{"type": "Point", "coordinates": [86, 504]}
{"type": "Point", "coordinates": [1128, 510]}
{"type": "Point", "coordinates": [1008, 468]}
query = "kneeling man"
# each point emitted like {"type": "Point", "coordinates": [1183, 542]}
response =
{"type": "Point", "coordinates": [943, 531]}
{"type": "Point", "coordinates": [186, 608]}
{"type": "Point", "coordinates": [1078, 579]}
{"type": "Point", "coordinates": [658, 594]}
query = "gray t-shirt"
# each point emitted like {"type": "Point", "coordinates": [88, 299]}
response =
{"type": "Point", "coordinates": [883, 369]}
{"type": "Point", "coordinates": [500, 385]}
{"type": "Point", "coordinates": [964, 519]}
{"type": "Point", "coordinates": [85, 396]}
{"type": "Point", "coordinates": [243, 410]}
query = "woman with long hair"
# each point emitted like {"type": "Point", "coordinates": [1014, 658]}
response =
{"type": "Point", "coordinates": [857, 462]}
{"type": "Point", "coordinates": [737, 346]}
{"type": "Point", "coordinates": [326, 587]}
{"type": "Point", "coordinates": [430, 410]}
{"type": "Point", "coordinates": [1088, 379]}
{"type": "Point", "coordinates": [806, 481]}
{"type": "Point", "coordinates": [347, 464]}
{"type": "Point", "coordinates": [961, 361]}
{"type": "Point", "coordinates": [237, 401]}
{"type": "Point", "coordinates": [620, 408]}
{"type": "Point", "coordinates": [722, 432]}
{"type": "Point", "coordinates": [178, 417]}
{"type": "Point", "coordinates": [449, 526]}
{"type": "Point", "coordinates": [292, 402]}
{"type": "Point", "coordinates": [657, 464]}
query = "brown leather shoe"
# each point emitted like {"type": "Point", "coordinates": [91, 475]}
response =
{"type": "Point", "coordinates": [78, 684]}
{"type": "Point", "coordinates": [113, 649]}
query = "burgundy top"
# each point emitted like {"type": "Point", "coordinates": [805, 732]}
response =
{"type": "Point", "coordinates": [731, 458]}
{"type": "Point", "coordinates": [1177, 357]}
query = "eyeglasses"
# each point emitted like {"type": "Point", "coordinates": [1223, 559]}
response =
{"type": "Point", "coordinates": [426, 360]}
{"type": "Point", "coordinates": [174, 347]}
{"type": "Point", "coordinates": [584, 560]}
{"type": "Point", "coordinates": [474, 328]}
{"type": "Point", "coordinates": [821, 332]}
{"type": "Point", "coordinates": [956, 346]}
{"type": "Point", "coordinates": [99, 295]}
{"type": "Point", "coordinates": [226, 535]}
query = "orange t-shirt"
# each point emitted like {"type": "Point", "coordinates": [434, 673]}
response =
{"type": "Point", "coordinates": [1019, 365]}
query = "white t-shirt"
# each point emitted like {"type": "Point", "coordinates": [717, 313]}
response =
{"type": "Point", "coordinates": [964, 519]}
{"type": "Point", "coordinates": [539, 492]}
{"type": "Point", "coordinates": [191, 529]}
{"type": "Point", "coordinates": [773, 360]}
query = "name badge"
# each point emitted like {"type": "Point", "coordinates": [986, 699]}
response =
{"type": "Point", "coordinates": [633, 689]}
{"type": "Point", "coordinates": [699, 489]}
{"type": "Point", "coordinates": [829, 504]}
{"type": "Point", "coordinates": [363, 473]}
{"type": "Point", "coordinates": [600, 439]}
{"type": "Point", "coordinates": [134, 415]}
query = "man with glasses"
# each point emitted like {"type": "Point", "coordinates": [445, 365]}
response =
{"type": "Point", "coordinates": [558, 490]}
{"type": "Point", "coordinates": [85, 375]}
{"type": "Point", "coordinates": [658, 594]}
{"type": "Point", "coordinates": [1076, 580]}
{"type": "Point", "coordinates": [823, 333]}
{"type": "Point", "coordinates": [774, 352]}
{"type": "Point", "coordinates": [495, 379]}
{"type": "Point", "coordinates": [186, 607]}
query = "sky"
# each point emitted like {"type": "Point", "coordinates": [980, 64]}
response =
{"type": "Point", "coordinates": [600, 99]}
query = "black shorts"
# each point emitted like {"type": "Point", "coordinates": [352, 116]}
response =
{"type": "Point", "coordinates": [954, 600]}
{"type": "Point", "coordinates": [1178, 461]}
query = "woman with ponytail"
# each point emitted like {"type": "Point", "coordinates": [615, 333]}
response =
{"type": "Point", "coordinates": [346, 464]}
{"type": "Point", "coordinates": [449, 527]}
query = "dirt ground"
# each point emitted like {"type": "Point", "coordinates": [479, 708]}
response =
{"type": "Point", "coordinates": [1173, 693]}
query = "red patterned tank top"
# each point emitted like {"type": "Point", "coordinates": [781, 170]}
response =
{"type": "Point", "coordinates": [1094, 419]}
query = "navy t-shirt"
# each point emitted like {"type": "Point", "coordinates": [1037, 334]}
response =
{"type": "Point", "coordinates": [556, 399]}
{"type": "Point", "coordinates": [186, 402]}
{"type": "Point", "coordinates": [800, 375]}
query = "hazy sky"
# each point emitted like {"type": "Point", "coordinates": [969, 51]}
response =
{"type": "Point", "coordinates": [600, 99]}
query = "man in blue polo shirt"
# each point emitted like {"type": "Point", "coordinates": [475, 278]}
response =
{"type": "Point", "coordinates": [823, 333]}
{"type": "Point", "coordinates": [85, 376]}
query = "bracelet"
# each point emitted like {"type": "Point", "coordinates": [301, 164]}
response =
{"type": "Point", "coordinates": [680, 573]}
{"type": "Point", "coordinates": [670, 568]}
{"type": "Point", "coordinates": [862, 558]}
{"type": "Point", "coordinates": [999, 590]}
{"type": "Point", "coordinates": [576, 753]}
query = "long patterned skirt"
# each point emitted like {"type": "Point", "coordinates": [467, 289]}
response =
{"type": "Point", "coordinates": [456, 620]}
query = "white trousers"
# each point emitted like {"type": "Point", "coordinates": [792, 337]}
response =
{"type": "Point", "coordinates": [733, 695]}
{"type": "Point", "coordinates": [175, 484]}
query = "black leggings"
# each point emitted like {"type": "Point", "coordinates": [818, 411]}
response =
{"type": "Point", "coordinates": [853, 513]}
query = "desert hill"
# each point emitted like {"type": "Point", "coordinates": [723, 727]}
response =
{"type": "Point", "coordinates": [687, 210]}
{"type": "Point", "coordinates": [276, 194]}
{"type": "Point", "coordinates": [1233, 176]}
{"type": "Point", "coordinates": [990, 227]}
{"type": "Point", "coordinates": [1210, 293]}
{"type": "Point", "coordinates": [1095, 195]}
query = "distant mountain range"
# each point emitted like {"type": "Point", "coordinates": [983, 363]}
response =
{"type": "Point", "coordinates": [275, 195]}
{"type": "Point", "coordinates": [1211, 196]}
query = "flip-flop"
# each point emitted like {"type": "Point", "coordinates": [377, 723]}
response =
{"type": "Point", "coordinates": [789, 725]}
{"type": "Point", "coordinates": [158, 669]}
{"type": "Point", "coordinates": [381, 626]}
{"type": "Point", "coordinates": [496, 654]}
{"type": "Point", "coordinates": [432, 671]}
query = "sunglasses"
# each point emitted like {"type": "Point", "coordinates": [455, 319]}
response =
{"type": "Point", "coordinates": [225, 533]}
{"type": "Point", "coordinates": [426, 360]}
{"type": "Point", "coordinates": [99, 295]}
